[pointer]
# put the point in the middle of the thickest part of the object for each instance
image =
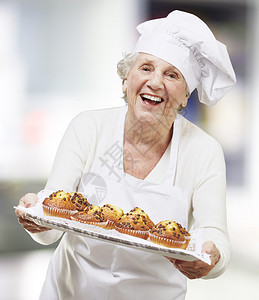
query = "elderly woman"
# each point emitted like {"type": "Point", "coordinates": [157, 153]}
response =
{"type": "Point", "coordinates": [148, 156]}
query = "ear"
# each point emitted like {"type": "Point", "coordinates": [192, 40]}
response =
{"type": "Point", "coordinates": [184, 103]}
{"type": "Point", "coordinates": [124, 86]}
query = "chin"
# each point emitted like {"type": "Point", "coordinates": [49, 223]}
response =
{"type": "Point", "coordinates": [147, 114]}
{"type": "Point", "coordinates": [150, 117]}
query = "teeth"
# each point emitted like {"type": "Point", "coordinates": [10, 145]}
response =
{"type": "Point", "coordinates": [152, 98]}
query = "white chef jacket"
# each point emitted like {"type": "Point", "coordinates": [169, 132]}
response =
{"type": "Point", "coordinates": [200, 171]}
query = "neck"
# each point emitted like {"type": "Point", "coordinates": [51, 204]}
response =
{"type": "Point", "coordinates": [147, 136]}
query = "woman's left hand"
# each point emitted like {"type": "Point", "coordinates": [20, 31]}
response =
{"type": "Point", "coordinates": [197, 269]}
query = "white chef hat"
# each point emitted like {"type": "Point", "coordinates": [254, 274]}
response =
{"type": "Point", "coordinates": [186, 42]}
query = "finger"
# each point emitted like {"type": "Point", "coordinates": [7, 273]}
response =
{"type": "Point", "coordinates": [211, 249]}
{"type": "Point", "coordinates": [207, 247]}
{"type": "Point", "coordinates": [172, 260]}
{"type": "Point", "coordinates": [33, 229]}
{"type": "Point", "coordinates": [186, 264]}
{"type": "Point", "coordinates": [176, 262]}
{"type": "Point", "coordinates": [25, 221]}
{"type": "Point", "coordinates": [19, 213]}
{"type": "Point", "coordinates": [37, 229]}
{"type": "Point", "coordinates": [28, 200]}
{"type": "Point", "coordinates": [31, 226]}
{"type": "Point", "coordinates": [193, 269]}
{"type": "Point", "coordinates": [191, 274]}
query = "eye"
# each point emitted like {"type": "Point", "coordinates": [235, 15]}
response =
{"type": "Point", "coordinates": [172, 75]}
{"type": "Point", "coordinates": [145, 68]}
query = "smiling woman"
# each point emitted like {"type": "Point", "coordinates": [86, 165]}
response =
{"type": "Point", "coordinates": [151, 157]}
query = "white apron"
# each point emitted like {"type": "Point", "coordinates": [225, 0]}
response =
{"type": "Point", "coordinates": [85, 268]}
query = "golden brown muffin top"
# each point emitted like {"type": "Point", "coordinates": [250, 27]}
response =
{"type": "Point", "coordinates": [133, 221]}
{"type": "Point", "coordinates": [60, 199]}
{"type": "Point", "coordinates": [79, 201]}
{"type": "Point", "coordinates": [140, 212]}
{"type": "Point", "coordinates": [91, 213]}
{"type": "Point", "coordinates": [170, 229]}
{"type": "Point", "coordinates": [112, 212]}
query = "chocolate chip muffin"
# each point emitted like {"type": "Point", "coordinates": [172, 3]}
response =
{"type": "Point", "coordinates": [59, 204]}
{"type": "Point", "coordinates": [134, 224]}
{"type": "Point", "coordinates": [113, 214]}
{"type": "Point", "coordinates": [92, 215]}
{"type": "Point", "coordinates": [170, 234]}
{"type": "Point", "coordinates": [79, 201]}
{"type": "Point", "coordinates": [145, 217]}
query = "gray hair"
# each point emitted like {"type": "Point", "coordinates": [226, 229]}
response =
{"type": "Point", "coordinates": [123, 68]}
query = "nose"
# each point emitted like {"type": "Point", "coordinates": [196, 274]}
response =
{"type": "Point", "coordinates": [155, 81]}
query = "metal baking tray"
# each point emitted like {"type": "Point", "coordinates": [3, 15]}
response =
{"type": "Point", "coordinates": [193, 251]}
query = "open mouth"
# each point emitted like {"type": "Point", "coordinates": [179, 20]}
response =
{"type": "Point", "coordinates": [148, 99]}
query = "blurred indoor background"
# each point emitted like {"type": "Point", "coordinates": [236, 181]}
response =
{"type": "Point", "coordinates": [58, 58]}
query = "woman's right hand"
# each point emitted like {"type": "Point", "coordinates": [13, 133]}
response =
{"type": "Point", "coordinates": [28, 200]}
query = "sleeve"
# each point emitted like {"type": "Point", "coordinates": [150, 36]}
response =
{"type": "Point", "coordinates": [71, 155]}
{"type": "Point", "coordinates": [68, 166]}
{"type": "Point", "coordinates": [46, 237]}
{"type": "Point", "coordinates": [209, 204]}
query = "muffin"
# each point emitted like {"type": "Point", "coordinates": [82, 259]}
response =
{"type": "Point", "coordinates": [92, 214]}
{"type": "Point", "coordinates": [170, 234]}
{"type": "Point", "coordinates": [146, 219]}
{"type": "Point", "coordinates": [112, 213]}
{"type": "Point", "coordinates": [133, 224]}
{"type": "Point", "coordinates": [79, 201]}
{"type": "Point", "coordinates": [59, 204]}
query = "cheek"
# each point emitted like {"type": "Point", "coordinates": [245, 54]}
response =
{"type": "Point", "coordinates": [170, 111]}
{"type": "Point", "coordinates": [133, 84]}
{"type": "Point", "coordinates": [176, 99]}
{"type": "Point", "coordinates": [178, 96]}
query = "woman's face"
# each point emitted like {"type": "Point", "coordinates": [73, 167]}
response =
{"type": "Point", "coordinates": [155, 89]}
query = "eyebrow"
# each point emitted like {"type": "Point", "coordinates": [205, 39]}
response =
{"type": "Point", "coordinates": [150, 61]}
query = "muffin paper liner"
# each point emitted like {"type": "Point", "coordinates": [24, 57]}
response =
{"type": "Point", "coordinates": [169, 242]}
{"type": "Point", "coordinates": [58, 212]}
{"type": "Point", "coordinates": [101, 224]}
{"type": "Point", "coordinates": [137, 233]}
